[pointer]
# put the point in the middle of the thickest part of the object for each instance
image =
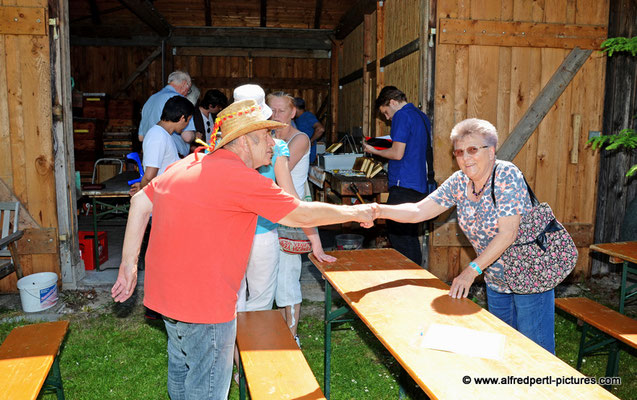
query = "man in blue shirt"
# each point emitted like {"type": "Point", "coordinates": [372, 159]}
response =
{"type": "Point", "coordinates": [307, 123]}
{"type": "Point", "coordinates": [407, 169]}
{"type": "Point", "coordinates": [179, 84]}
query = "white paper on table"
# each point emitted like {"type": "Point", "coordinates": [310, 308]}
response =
{"type": "Point", "coordinates": [464, 341]}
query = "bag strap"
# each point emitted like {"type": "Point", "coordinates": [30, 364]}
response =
{"type": "Point", "coordinates": [534, 200]}
{"type": "Point", "coordinates": [430, 150]}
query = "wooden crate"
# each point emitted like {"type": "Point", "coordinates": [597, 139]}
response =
{"type": "Point", "coordinates": [94, 105]}
{"type": "Point", "coordinates": [121, 109]}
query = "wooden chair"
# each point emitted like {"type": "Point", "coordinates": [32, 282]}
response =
{"type": "Point", "coordinates": [29, 361]}
{"type": "Point", "coordinates": [610, 326]}
{"type": "Point", "coordinates": [271, 362]}
{"type": "Point", "coordinates": [9, 261]}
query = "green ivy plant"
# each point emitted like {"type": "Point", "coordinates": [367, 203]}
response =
{"type": "Point", "coordinates": [621, 44]}
{"type": "Point", "coordinates": [626, 138]}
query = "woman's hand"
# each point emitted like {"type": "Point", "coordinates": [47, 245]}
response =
{"type": "Point", "coordinates": [462, 283]}
{"type": "Point", "coordinates": [320, 255]}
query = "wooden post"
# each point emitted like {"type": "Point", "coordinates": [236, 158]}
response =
{"type": "Point", "coordinates": [380, 53]}
{"type": "Point", "coordinates": [423, 36]}
{"type": "Point", "coordinates": [334, 90]}
{"type": "Point", "coordinates": [367, 50]}
{"type": "Point", "coordinates": [62, 130]}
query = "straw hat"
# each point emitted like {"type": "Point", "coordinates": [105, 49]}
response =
{"type": "Point", "coordinates": [253, 92]}
{"type": "Point", "coordinates": [239, 118]}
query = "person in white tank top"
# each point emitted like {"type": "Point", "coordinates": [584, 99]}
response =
{"type": "Point", "coordinates": [288, 292]}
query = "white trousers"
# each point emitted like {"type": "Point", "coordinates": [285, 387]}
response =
{"type": "Point", "coordinates": [259, 283]}
{"type": "Point", "coordinates": [288, 286]}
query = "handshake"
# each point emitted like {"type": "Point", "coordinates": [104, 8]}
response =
{"type": "Point", "coordinates": [366, 213]}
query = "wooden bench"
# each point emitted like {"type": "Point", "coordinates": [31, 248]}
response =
{"type": "Point", "coordinates": [615, 327]}
{"type": "Point", "coordinates": [29, 362]}
{"type": "Point", "coordinates": [271, 362]}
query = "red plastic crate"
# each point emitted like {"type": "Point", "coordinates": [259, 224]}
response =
{"type": "Point", "coordinates": [86, 248]}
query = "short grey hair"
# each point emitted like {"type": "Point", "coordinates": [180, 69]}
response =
{"type": "Point", "coordinates": [475, 126]}
{"type": "Point", "coordinates": [179, 76]}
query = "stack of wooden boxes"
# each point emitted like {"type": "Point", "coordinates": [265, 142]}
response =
{"type": "Point", "coordinates": [87, 137]}
{"type": "Point", "coordinates": [118, 138]}
{"type": "Point", "coordinates": [105, 130]}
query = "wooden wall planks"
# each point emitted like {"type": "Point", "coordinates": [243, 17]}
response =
{"type": "Point", "coordinates": [499, 84]}
{"type": "Point", "coordinates": [94, 72]}
{"type": "Point", "coordinates": [25, 112]}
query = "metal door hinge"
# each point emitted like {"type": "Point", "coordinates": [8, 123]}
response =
{"type": "Point", "coordinates": [54, 23]}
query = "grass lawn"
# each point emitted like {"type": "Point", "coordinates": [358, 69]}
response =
{"type": "Point", "coordinates": [106, 357]}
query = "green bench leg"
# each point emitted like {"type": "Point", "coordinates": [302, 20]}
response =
{"type": "Point", "coordinates": [597, 341]}
{"type": "Point", "coordinates": [331, 318]}
{"type": "Point", "coordinates": [582, 345]}
{"type": "Point", "coordinates": [612, 367]}
{"type": "Point", "coordinates": [53, 382]}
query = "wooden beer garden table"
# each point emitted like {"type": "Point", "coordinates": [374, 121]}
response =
{"type": "Point", "coordinates": [626, 253]}
{"type": "Point", "coordinates": [398, 301]}
{"type": "Point", "coordinates": [115, 187]}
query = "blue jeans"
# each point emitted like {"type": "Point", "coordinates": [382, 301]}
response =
{"type": "Point", "coordinates": [200, 360]}
{"type": "Point", "coordinates": [533, 315]}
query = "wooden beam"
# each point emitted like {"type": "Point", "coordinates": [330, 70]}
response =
{"type": "Point", "coordinates": [142, 67]}
{"type": "Point", "coordinates": [145, 11]}
{"type": "Point", "coordinates": [318, 10]}
{"type": "Point", "coordinates": [104, 12]}
{"type": "Point", "coordinates": [354, 17]}
{"type": "Point", "coordinates": [322, 110]}
{"type": "Point", "coordinates": [394, 56]}
{"type": "Point", "coordinates": [208, 12]}
{"type": "Point", "coordinates": [267, 82]}
{"type": "Point", "coordinates": [542, 104]}
{"type": "Point", "coordinates": [255, 38]}
{"type": "Point", "coordinates": [249, 52]}
{"type": "Point", "coordinates": [264, 13]}
{"type": "Point", "coordinates": [521, 34]}
{"type": "Point", "coordinates": [95, 12]}
{"type": "Point", "coordinates": [266, 38]}
{"type": "Point", "coordinates": [399, 53]}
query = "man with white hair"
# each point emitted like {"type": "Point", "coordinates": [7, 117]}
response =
{"type": "Point", "coordinates": [210, 204]}
{"type": "Point", "coordinates": [179, 83]}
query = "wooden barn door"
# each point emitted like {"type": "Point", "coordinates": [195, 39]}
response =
{"type": "Point", "coordinates": [26, 142]}
{"type": "Point", "coordinates": [493, 58]}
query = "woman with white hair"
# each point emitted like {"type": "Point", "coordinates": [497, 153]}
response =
{"type": "Point", "coordinates": [491, 226]}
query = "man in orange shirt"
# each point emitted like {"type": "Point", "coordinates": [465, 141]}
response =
{"type": "Point", "coordinates": [211, 203]}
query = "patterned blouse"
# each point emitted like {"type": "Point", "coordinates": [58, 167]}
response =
{"type": "Point", "coordinates": [479, 219]}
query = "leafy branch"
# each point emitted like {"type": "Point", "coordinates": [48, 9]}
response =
{"type": "Point", "coordinates": [620, 44]}
{"type": "Point", "coordinates": [626, 138]}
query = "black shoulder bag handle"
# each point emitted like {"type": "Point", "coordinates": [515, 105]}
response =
{"type": "Point", "coordinates": [534, 200]}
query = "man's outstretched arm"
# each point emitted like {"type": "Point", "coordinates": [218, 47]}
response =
{"type": "Point", "coordinates": [138, 215]}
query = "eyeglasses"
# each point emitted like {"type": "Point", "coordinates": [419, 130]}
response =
{"type": "Point", "coordinates": [471, 150]}
{"type": "Point", "coordinates": [208, 122]}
